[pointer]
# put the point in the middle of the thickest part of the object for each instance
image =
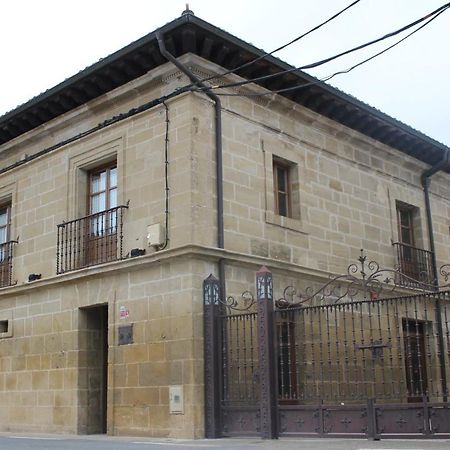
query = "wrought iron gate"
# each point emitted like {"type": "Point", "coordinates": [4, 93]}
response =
{"type": "Point", "coordinates": [364, 368]}
{"type": "Point", "coordinates": [232, 364]}
{"type": "Point", "coordinates": [333, 363]}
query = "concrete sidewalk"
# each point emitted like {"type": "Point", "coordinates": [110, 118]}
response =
{"type": "Point", "coordinates": [17, 441]}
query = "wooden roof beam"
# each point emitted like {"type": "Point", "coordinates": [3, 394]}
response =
{"type": "Point", "coordinates": [206, 48]}
{"type": "Point", "coordinates": [189, 42]}
{"type": "Point", "coordinates": [221, 55]}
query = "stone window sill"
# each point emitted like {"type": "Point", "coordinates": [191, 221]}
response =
{"type": "Point", "coordinates": [286, 222]}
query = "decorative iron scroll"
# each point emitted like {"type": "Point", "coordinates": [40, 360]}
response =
{"type": "Point", "coordinates": [212, 296]}
{"type": "Point", "coordinates": [242, 303]}
{"type": "Point", "coordinates": [444, 271]}
{"type": "Point", "coordinates": [363, 281]}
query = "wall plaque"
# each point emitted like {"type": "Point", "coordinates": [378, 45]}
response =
{"type": "Point", "coordinates": [125, 334]}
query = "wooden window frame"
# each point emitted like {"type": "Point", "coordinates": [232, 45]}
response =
{"type": "Point", "coordinates": [286, 168]}
{"type": "Point", "coordinates": [102, 243]}
{"type": "Point", "coordinates": [7, 206]}
{"type": "Point", "coordinates": [409, 210]}
{"type": "Point", "coordinates": [5, 248]}
{"type": "Point", "coordinates": [106, 167]}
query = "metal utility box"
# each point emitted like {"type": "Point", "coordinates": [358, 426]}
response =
{"type": "Point", "coordinates": [155, 235]}
{"type": "Point", "coordinates": [176, 403]}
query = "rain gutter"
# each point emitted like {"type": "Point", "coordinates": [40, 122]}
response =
{"type": "Point", "coordinates": [443, 164]}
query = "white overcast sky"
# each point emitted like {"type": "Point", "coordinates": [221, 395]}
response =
{"type": "Point", "coordinates": [43, 42]}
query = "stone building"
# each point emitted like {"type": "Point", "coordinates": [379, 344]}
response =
{"type": "Point", "coordinates": [121, 190]}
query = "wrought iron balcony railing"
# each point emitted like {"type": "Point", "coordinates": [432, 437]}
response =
{"type": "Point", "coordinates": [415, 265]}
{"type": "Point", "coordinates": [90, 240]}
{"type": "Point", "coordinates": [6, 261]}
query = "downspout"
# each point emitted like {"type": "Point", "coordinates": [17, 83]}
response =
{"type": "Point", "coordinates": [213, 433]}
{"type": "Point", "coordinates": [425, 178]}
{"type": "Point", "coordinates": [218, 149]}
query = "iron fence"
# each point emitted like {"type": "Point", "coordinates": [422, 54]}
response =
{"type": "Point", "coordinates": [90, 240]}
{"type": "Point", "coordinates": [388, 349]}
{"type": "Point", "coordinates": [240, 359]}
{"type": "Point", "coordinates": [329, 362]}
{"type": "Point", "coordinates": [6, 263]}
{"type": "Point", "coordinates": [415, 265]}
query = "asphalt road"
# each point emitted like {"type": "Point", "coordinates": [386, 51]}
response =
{"type": "Point", "coordinates": [9, 441]}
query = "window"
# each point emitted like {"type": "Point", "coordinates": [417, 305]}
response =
{"type": "Point", "coordinates": [5, 245]}
{"type": "Point", "coordinates": [102, 234]}
{"type": "Point", "coordinates": [6, 324]}
{"type": "Point", "coordinates": [102, 197]}
{"type": "Point", "coordinates": [405, 224]}
{"type": "Point", "coordinates": [414, 262]}
{"type": "Point", "coordinates": [3, 326]}
{"type": "Point", "coordinates": [407, 257]}
{"type": "Point", "coordinates": [5, 220]}
{"type": "Point", "coordinates": [97, 236]}
{"type": "Point", "coordinates": [93, 233]}
{"type": "Point", "coordinates": [282, 189]}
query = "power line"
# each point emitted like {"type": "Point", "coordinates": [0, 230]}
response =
{"type": "Point", "coordinates": [386, 49]}
{"type": "Point", "coordinates": [341, 72]}
{"type": "Point", "coordinates": [431, 15]}
{"type": "Point", "coordinates": [253, 61]}
{"type": "Point", "coordinates": [324, 61]}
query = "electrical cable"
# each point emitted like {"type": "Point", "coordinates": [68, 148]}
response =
{"type": "Point", "coordinates": [106, 123]}
{"type": "Point", "coordinates": [166, 177]}
{"type": "Point", "coordinates": [385, 50]}
{"type": "Point", "coordinates": [436, 12]}
{"type": "Point", "coordinates": [146, 106]}
{"type": "Point", "coordinates": [259, 58]}
{"type": "Point", "coordinates": [329, 77]}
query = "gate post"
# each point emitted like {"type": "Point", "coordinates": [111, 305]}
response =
{"type": "Point", "coordinates": [266, 351]}
{"type": "Point", "coordinates": [211, 309]}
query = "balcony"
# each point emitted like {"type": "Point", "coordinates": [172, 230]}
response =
{"type": "Point", "coordinates": [6, 260]}
{"type": "Point", "coordinates": [415, 265]}
{"type": "Point", "coordinates": [90, 240]}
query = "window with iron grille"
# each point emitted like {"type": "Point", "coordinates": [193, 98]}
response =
{"type": "Point", "coordinates": [97, 236]}
{"type": "Point", "coordinates": [415, 264]}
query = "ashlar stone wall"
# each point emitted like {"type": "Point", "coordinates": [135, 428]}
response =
{"type": "Point", "coordinates": [345, 189]}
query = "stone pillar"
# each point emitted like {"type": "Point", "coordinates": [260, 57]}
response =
{"type": "Point", "coordinates": [212, 348]}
